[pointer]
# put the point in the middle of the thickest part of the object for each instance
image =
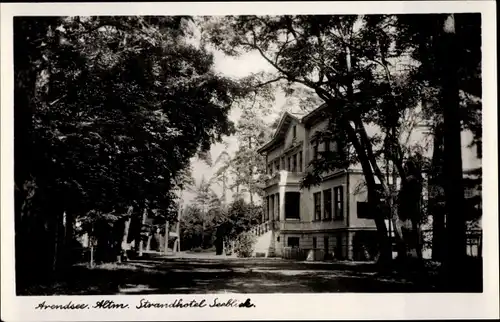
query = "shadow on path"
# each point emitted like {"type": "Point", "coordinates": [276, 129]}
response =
{"type": "Point", "coordinates": [230, 275]}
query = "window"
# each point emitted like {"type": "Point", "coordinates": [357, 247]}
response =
{"type": "Point", "coordinates": [315, 243]}
{"type": "Point", "coordinates": [289, 167]}
{"type": "Point", "coordinates": [325, 244]}
{"type": "Point", "coordinates": [317, 206]}
{"type": "Point", "coordinates": [339, 202]}
{"type": "Point", "coordinates": [468, 193]}
{"type": "Point", "coordinates": [292, 205]}
{"type": "Point", "coordinates": [327, 204]}
{"type": "Point", "coordinates": [270, 168]}
{"type": "Point", "coordinates": [327, 145]}
{"type": "Point", "coordinates": [294, 165]}
{"type": "Point", "coordinates": [315, 151]}
{"type": "Point", "coordinates": [294, 131]}
{"type": "Point", "coordinates": [300, 161]}
{"type": "Point", "coordinates": [364, 211]}
{"type": "Point", "coordinates": [293, 242]}
{"type": "Point", "coordinates": [277, 165]}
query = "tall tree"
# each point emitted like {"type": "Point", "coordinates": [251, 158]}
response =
{"type": "Point", "coordinates": [345, 60]}
{"type": "Point", "coordinates": [457, 106]}
{"type": "Point", "coordinates": [117, 107]}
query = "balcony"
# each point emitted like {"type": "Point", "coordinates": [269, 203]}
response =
{"type": "Point", "coordinates": [284, 177]}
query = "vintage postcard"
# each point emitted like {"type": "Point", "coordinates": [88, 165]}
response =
{"type": "Point", "coordinates": [267, 160]}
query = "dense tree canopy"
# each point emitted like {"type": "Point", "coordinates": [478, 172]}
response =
{"type": "Point", "coordinates": [110, 110]}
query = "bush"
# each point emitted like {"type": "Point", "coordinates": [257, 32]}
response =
{"type": "Point", "coordinates": [244, 245]}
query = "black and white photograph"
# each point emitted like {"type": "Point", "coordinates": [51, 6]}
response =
{"type": "Point", "coordinates": [180, 154]}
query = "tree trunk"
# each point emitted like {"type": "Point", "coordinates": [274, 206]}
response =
{"type": "Point", "coordinates": [178, 231]}
{"type": "Point", "coordinates": [455, 254]}
{"type": "Point", "coordinates": [365, 155]}
{"type": "Point", "coordinates": [67, 260]}
{"type": "Point", "coordinates": [385, 256]}
{"type": "Point", "coordinates": [126, 230]}
{"type": "Point", "coordinates": [435, 195]}
{"type": "Point", "coordinates": [167, 236]}
{"type": "Point", "coordinates": [143, 222]}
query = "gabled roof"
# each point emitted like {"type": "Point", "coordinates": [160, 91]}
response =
{"type": "Point", "coordinates": [314, 115]}
{"type": "Point", "coordinates": [280, 132]}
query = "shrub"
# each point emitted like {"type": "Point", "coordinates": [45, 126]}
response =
{"type": "Point", "coordinates": [244, 245]}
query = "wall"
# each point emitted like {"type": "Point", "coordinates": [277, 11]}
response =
{"type": "Point", "coordinates": [357, 192]}
{"type": "Point", "coordinates": [306, 241]}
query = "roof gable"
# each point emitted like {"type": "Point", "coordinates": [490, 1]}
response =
{"type": "Point", "coordinates": [281, 130]}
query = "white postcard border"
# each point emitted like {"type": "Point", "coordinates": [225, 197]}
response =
{"type": "Point", "coordinates": [268, 306]}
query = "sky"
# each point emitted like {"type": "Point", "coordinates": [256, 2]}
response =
{"type": "Point", "coordinates": [233, 67]}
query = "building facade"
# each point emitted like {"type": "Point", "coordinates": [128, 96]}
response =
{"type": "Point", "coordinates": [329, 220]}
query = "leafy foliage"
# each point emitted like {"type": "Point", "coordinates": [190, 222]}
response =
{"type": "Point", "coordinates": [244, 245]}
{"type": "Point", "coordinates": [371, 70]}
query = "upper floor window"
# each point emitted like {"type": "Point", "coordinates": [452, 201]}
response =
{"type": "Point", "coordinates": [315, 150]}
{"type": "Point", "coordinates": [294, 163]}
{"type": "Point", "coordinates": [339, 202]}
{"type": "Point", "coordinates": [294, 131]}
{"type": "Point", "coordinates": [327, 145]}
{"type": "Point", "coordinates": [289, 164]}
{"type": "Point", "coordinates": [317, 206]}
{"type": "Point", "coordinates": [300, 161]}
{"type": "Point", "coordinates": [277, 165]}
{"type": "Point", "coordinates": [327, 204]}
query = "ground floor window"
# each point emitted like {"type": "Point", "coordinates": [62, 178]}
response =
{"type": "Point", "coordinates": [293, 242]}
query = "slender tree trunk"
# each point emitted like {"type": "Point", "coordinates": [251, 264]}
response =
{"type": "Point", "coordinates": [91, 242]}
{"type": "Point", "coordinates": [365, 154]}
{"type": "Point", "coordinates": [126, 231]}
{"type": "Point", "coordinates": [143, 222]}
{"type": "Point", "coordinates": [178, 230]}
{"type": "Point", "coordinates": [167, 236]}
{"type": "Point", "coordinates": [383, 240]}
{"type": "Point", "coordinates": [455, 254]}
{"type": "Point", "coordinates": [67, 261]}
